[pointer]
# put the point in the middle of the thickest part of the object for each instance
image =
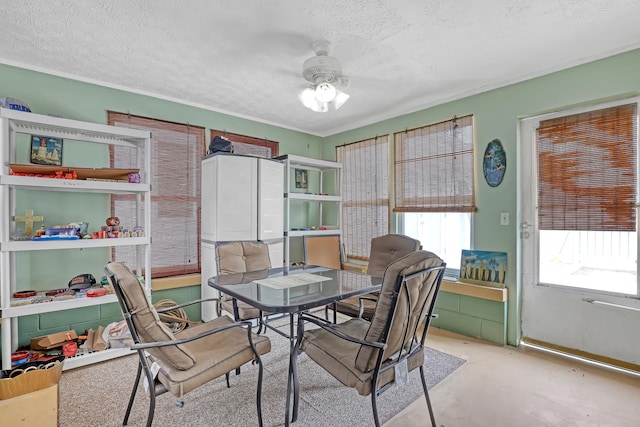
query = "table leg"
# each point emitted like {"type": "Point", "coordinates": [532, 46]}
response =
{"type": "Point", "coordinates": [292, 380]}
{"type": "Point", "coordinates": [335, 313]}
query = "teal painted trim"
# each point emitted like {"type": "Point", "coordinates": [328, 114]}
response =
{"type": "Point", "coordinates": [494, 331]}
{"type": "Point", "coordinates": [473, 317]}
{"type": "Point", "coordinates": [488, 310]}
{"type": "Point", "coordinates": [66, 318]}
{"type": "Point", "coordinates": [448, 301]}
{"type": "Point", "coordinates": [459, 323]}
{"type": "Point", "coordinates": [109, 311]}
{"type": "Point", "coordinates": [28, 324]}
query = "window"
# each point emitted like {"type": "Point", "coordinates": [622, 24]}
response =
{"type": "Point", "coordinates": [445, 234]}
{"type": "Point", "coordinates": [365, 193]}
{"type": "Point", "coordinates": [176, 150]}
{"type": "Point", "coordinates": [434, 186]}
{"type": "Point", "coordinates": [586, 197]}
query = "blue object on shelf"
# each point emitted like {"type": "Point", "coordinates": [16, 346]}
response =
{"type": "Point", "coordinates": [56, 237]}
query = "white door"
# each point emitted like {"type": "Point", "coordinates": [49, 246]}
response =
{"type": "Point", "coordinates": [579, 288]}
{"type": "Point", "coordinates": [229, 203]}
{"type": "Point", "coordinates": [270, 199]}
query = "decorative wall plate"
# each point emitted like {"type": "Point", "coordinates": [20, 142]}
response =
{"type": "Point", "coordinates": [494, 164]}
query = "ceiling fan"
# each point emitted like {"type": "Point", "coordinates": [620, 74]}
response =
{"type": "Point", "coordinates": [324, 73]}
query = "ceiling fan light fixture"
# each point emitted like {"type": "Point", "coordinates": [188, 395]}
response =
{"type": "Point", "coordinates": [325, 92]}
{"type": "Point", "coordinates": [325, 73]}
{"type": "Point", "coordinates": [315, 99]}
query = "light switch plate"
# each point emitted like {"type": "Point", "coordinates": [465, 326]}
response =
{"type": "Point", "coordinates": [504, 218]}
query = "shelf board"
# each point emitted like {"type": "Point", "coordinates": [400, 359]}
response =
{"type": "Point", "coordinates": [300, 162]}
{"type": "Point", "coordinates": [36, 183]}
{"type": "Point", "coordinates": [476, 291]}
{"type": "Point", "coordinates": [30, 245]}
{"type": "Point", "coordinates": [39, 124]}
{"type": "Point", "coordinates": [95, 357]}
{"type": "Point", "coordinates": [47, 307]}
{"type": "Point", "coordinates": [312, 197]}
{"type": "Point", "coordinates": [300, 233]}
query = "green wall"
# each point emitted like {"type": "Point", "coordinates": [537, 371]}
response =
{"type": "Point", "coordinates": [496, 115]}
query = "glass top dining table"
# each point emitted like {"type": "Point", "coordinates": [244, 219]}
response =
{"type": "Point", "coordinates": [294, 289]}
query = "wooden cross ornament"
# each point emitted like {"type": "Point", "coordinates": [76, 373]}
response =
{"type": "Point", "coordinates": [28, 218]}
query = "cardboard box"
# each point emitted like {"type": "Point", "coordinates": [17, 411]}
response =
{"type": "Point", "coordinates": [38, 408]}
{"type": "Point", "coordinates": [47, 342]}
{"type": "Point", "coordinates": [29, 382]}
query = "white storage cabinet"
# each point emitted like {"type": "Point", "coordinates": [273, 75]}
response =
{"type": "Point", "coordinates": [241, 200]}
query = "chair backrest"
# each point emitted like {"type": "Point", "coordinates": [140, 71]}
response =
{"type": "Point", "coordinates": [242, 256]}
{"type": "Point", "coordinates": [142, 318]}
{"type": "Point", "coordinates": [388, 248]}
{"type": "Point", "coordinates": [409, 289]}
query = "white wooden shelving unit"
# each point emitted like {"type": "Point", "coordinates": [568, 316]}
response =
{"type": "Point", "coordinates": [322, 196]}
{"type": "Point", "coordinates": [13, 123]}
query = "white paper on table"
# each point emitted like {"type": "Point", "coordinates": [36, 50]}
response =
{"type": "Point", "coordinates": [285, 282]}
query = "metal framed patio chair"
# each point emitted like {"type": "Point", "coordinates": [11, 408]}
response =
{"type": "Point", "coordinates": [370, 356]}
{"type": "Point", "coordinates": [384, 250]}
{"type": "Point", "coordinates": [188, 359]}
{"type": "Point", "coordinates": [241, 257]}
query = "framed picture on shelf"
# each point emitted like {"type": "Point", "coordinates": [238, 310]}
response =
{"type": "Point", "coordinates": [483, 268]}
{"type": "Point", "coordinates": [46, 150]}
{"type": "Point", "coordinates": [301, 178]}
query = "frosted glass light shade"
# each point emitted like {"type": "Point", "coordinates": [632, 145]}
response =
{"type": "Point", "coordinates": [307, 97]}
{"type": "Point", "coordinates": [340, 99]}
{"type": "Point", "coordinates": [315, 98]}
{"type": "Point", "coordinates": [325, 92]}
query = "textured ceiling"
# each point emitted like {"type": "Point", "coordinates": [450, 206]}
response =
{"type": "Point", "coordinates": [245, 57]}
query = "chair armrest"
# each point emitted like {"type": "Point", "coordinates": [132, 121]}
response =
{"type": "Point", "coordinates": [243, 324]}
{"type": "Point", "coordinates": [327, 327]}
{"type": "Point", "coordinates": [162, 310]}
{"type": "Point", "coordinates": [361, 301]}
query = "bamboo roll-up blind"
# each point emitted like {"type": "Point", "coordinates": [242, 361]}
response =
{"type": "Point", "coordinates": [434, 168]}
{"type": "Point", "coordinates": [176, 153]}
{"type": "Point", "coordinates": [365, 193]}
{"type": "Point", "coordinates": [587, 167]}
